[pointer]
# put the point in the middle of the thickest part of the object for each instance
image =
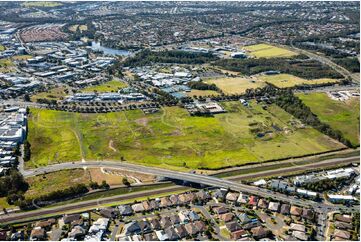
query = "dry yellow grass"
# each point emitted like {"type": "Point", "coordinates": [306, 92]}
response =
{"type": "Point", "coordinates": [286, 80]}
{"type": "Point", "coordinates": [268, 51]}
{"type": "Point", "coordinates": [236, 85]}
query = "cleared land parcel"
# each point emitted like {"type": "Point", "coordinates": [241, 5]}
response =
{"type": "Point", "coordinates": [286, 80]}
{"type": "Point", "coordinates": [172, 138]}
{"type": "Point", "coordinates": [342, 116]}
{"type": "Point", "coordinates": [268, 51]}
{"type": "Point", "coordinates": [235, 85]}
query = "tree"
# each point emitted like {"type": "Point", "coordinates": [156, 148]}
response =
{"type": "Point", "coordinates": [126, 182]}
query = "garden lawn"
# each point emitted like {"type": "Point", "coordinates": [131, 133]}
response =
{"type": "Point", "coordinates": [342, 116]}
{"type": "Point", "coordinates": [235, 85]}
{"type": "Point", "coordinates": [110, 86]}
{"type": "Point", "coordinates": [172, 138]}
{"type": "Point", "coordinates": [287, 80]}
{"type": "Point", "coordinates": [268, 51]}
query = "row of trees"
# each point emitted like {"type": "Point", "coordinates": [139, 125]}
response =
{"type": "Point", "coordinates": [293, 105]}
{"type": "Point", "coordinates": [13, 186]}
{"type": "Point", "coordinates": [148, 57]}
{"type": "Point", "coordinates": [202, 86]}
{"type": "Point", "coordinates": [298, 66]}
{"type": "Point", "coordinates": [325, 185]}
{"type": "Point", "coordinates": [58, 195]}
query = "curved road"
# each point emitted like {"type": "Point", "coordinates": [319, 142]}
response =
{"type": "Point", "coordinates": [195, 178]}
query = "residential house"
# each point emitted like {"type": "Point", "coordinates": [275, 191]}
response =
{"type": "Point", "coordinates": [274, 206]}
{"type": "Point", "coordinates": [172, 234]}
{"type": "Point", "coordinates": [183, 216]}
{"type": "Point", "coordinates": [144, 226]}
{"type": "Point", "coordinates": [244, 218]}
{"type": "Point", "coordinates": [162, 236]}
{"type": "Point", "coordinates": [77, 233]}
{"type": "Point", "coordinates": [181, 231]}
{"type": "Point", "coordinates": [37, 234]}
{"type": "Point", "coordinates": [200, 225]}
{"type": "Point", "coordinates": [262, 203]}
{"type": "Point", "coordinates": [259, 232]}
{"type": "Point", "coordinates": [345, 235]}
{"type": "Point", "coordinates": [165, 222]}
{"type": "Point", "coordinates": [146, 206]}
{"type": "Point", "coordinates": [243, 198]}
{"type": "Point", "coordinates": [220, 210]}
{"type": "Point", "coordinates": [300, 235]}
{"type": "Point", "coordinates": [296, 211]}
{"type": "Point", "coordinates": [108, 212]}
{"type": "Point", "coordinates": [191, 229]}
{"type": "Point", "coordinates": [308, 214]}
{"type": "Point", "coordinates": [253, 200]}
{"type": "Point", "coordinates": [174, 200]}
{"type": "Point", "coordinates": [342, 225]}
{"type": "Point", "coordinates": [193, 216]}
{"type": "Point", "coordinates": [233, 226]}
{"type": "Point", "coordinates": [132, 228]}
{"type": "Point", "coordinates": [165, 202]}
{"type": "Point", "coordinates": [232, 197]}
{"type": "Point", "coordinates": [343, 218]}
{"type": "Point", "coordinates": [150, 237]}
{"type": "Point", "coordinates": [285, 209]}
{"type": "Point", "coordinates": [155, 224]}
{"type": "Point", "coordinates": [125, 210]}
{"type": "Point", "coordinates": [138, 207]}
{"type": "Point", "coordinates": [226, 217]}
{"type": "Point", "coordinates": [239, 234]}
{"type": "Point", "coordinates": [174, 218]}
{"type": "Point", "coordinates": [68, 218]}
{"type": "Point", "coordinates": [297, 227]}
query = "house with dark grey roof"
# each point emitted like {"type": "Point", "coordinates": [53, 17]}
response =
{"type": "Point", "coordinates": [174, 218]}
{"type": "Point", "coordinates": [144, 226]}
{"type": "Point", "coordinates": [285, 209]}
{"type": "Point", "coordinates": [233, 226]}
{"type": "Point", "coordinates": [165, 222]}
{"type": "Point", "coordinates": [155, 224]}
{"type": "Point", "coordinates": [125, 210]}
{"type": "Point", "coordinates": [172, 234]}
{"type": "Point", "coordinates": [132, 228]}
{"type": "Point", "coordinates": [181, 231]}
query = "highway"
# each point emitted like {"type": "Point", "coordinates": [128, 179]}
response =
{"type": "Point", "coordinates": [195, 178]}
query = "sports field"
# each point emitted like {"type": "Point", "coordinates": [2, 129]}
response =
{"type": "Point", "coordinates": [235, 85]}
{"type": "Point", "coordinates": [287, 80]}
{"type": "Point", "coordinates": [172, 138]}
{"type": "Point", "coordinates": [268, 51]}
{"type": "Point", "coordinates": [110, 86]}
{"type": "Point", "coordinates": [342, 116]}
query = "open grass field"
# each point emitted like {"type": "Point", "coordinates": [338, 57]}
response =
{"type": "Point", "coordinates": [110, 86]}
{"type": "Point", "coordinates": [2, 47]}
{"type": "Point", "coordinates": [235, 85]}
{"type": "Point", "coordinates": [342, 116]}
{"type": "Point", "coordinates": [171, 138]}
{"type": "Point", "coordinates": [268, 51]}
{"type": "Point", "coordinates": [56, 93]}
{"type": "Point", "coordinates": [287, 80]}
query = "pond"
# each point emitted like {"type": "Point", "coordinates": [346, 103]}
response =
{"type": "Point", "coordinates": [109, 51]}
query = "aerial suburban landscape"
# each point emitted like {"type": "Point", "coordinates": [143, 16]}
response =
{"type": "Point", "coordinates": [167, 121]}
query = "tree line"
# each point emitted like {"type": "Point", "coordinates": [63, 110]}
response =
{"type": "Point", "coordinates": [285, 99]}
{"type": "Point", "coordinates": [147, 57]}
{"type": "Point", "coordinates": [298, 66]}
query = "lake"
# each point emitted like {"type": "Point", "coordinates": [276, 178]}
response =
{"type": "Point", "coordinates": [109, 51]}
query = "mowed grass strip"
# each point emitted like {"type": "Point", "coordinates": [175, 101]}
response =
{"type": "Point", "coordinates": [110, 86]}
{"type": "Point", "coordinates": [268, 51]}
{"type": "Point", "coordinates": [287, 80]}
{"type": "Point", "coordinates": [172, 138]}
{"type": "Point", "coordinates": [235, 85]}
{"type": "Point", "coordinates": [340, 115]}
